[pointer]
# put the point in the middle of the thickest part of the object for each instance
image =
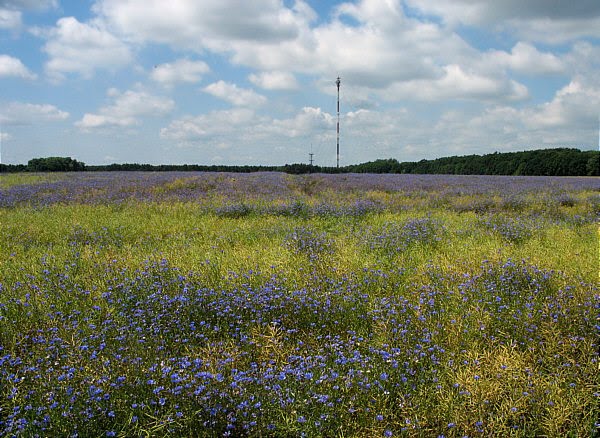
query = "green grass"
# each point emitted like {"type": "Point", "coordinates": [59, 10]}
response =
{"type": "Point", "coordinates": [13, 179]}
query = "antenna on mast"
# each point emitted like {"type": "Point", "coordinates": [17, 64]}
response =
{"type": "Point", "coordinates": [310, 154]}
{"type": "Point", "coordinates": [338, 82]}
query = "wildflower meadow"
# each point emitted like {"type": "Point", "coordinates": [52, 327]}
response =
{"type": "Point", "coordinates": [275, 305]}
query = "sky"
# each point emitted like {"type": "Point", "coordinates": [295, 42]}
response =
{"type": "Point", "coordinates": [241, 82]}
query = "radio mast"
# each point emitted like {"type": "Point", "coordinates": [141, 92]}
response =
{"type": "Point", "coordinates": [338, 82]}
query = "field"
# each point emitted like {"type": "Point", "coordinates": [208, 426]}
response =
{"type": "Point", "coordinates": [215, 304]}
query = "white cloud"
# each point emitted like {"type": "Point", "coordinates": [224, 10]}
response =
{"type": "Point", "coordinates": [491, 11]}
{"type": "Point", "coordinates": [456, 83]}
{"type": "Point", "coordinates": [18, 113]}
{"type": "Point", "coordinates": [534, 20]}
{"type": "Point", "coordinates": [91, 121]}
{"type": "Point", "coordinates": [38, 5]}
{"type": "Point", "coordinates": [574, 106]}
{"type": "Point", "coordinates": [241, 132]}
{"type": "Point", "coordinates": [557, 31]}
{"type": "Point", "coordinates": [389, 55]}
{"type": "Point", "coordinates": [401, 133]}
{"type": "Point", "coordinates": [126, 110]}
{"type": "Point", "coordinates": [235, 95]}
{"type": "Point", "coordinates": [180, 71]}
{"type": "Point", "coordinates": [10, 19]}
{"type": "Point", "coordinates": [308, 122]}
{"type": "Point", "coordinates": [570, 118]}
{"type": "Point", "coordinates": [211, 24]}
{"type": "Point", "coordinates": [372, 44]}
{"type": "Point", "coordinates": [382, 48]}
{"type": "Point", "coordinates": [274, 80]}
{"type": "Point", "coordinates": [75, 47]}
{"type": "Point", "coordinates": [240, 135]}
{"type": "Point", "coordinates": [10, 66]}
{"type": "Point", "coordinates": [214, 124]}
{"type": "Point", "coordinates": [525, 58]}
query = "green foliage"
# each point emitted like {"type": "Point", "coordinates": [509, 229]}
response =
{"type": "Point", "coordinates": [55, 164]}
{"type": "Point", "coordinates": [299, 168]}
{"type": "Point", "coordinates": [550, 162]}
{"type": "Point", "coordinates": [12, 168]}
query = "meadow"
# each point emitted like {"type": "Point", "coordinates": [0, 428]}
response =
{"type": "Point", "coordinates": [274, 305]}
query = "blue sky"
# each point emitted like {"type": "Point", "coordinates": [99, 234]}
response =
{"type": "Point", "coordinates": [253, 82]}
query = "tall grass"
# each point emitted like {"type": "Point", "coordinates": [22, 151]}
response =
{"type": "Point", "coordinates": [414, 314]}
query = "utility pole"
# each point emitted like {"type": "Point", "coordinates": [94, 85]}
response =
{"type": "Point", "coordinates": [338, 82]}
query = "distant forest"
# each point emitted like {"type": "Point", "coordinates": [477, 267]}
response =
{"type": "Point", "coordinates": [551, 162]}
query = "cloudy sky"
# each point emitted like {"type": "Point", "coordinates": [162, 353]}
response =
{"type": "Point", "coordinates": [253, 82]}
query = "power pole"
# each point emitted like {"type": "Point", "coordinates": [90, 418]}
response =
{"type": "Point", "coordinates": [338, 82]}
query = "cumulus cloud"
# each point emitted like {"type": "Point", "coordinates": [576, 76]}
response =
{"type": "Point", "coordinates": [274, 80]}
{"type": "Point", "coordinates": [213, 124]}
{"type": "Point", "coordinates": [238, 123]}
{"type": "Point", "coordinates": [490, 11]}
{"type": "Point", "coordinates": [384, 46]}
{"type": "Point", "coordinates": [309, 121]}
{"type": "Point", "coordinates": [557, 31]}
{"type": "Point", "coordinates": [75, 47]}
{"type": "Point", "coordinates": [19, 113]}
{"type": "Point", "coordinates": [10, 66]}
{"type": "Point", "coordinates": [373, 44]}
{"type": "Point", "coordinates": [395, 57]}
{"type": "Point", "coordinates": [536, 20]}
{"type": "Point", "coordinates": [240, 135]}
{"type": "Point", "coordinates": [525, 58]}
{"type": "Point", "coordinates": [126, 110]}
{"type": "Point", "coordinates": [211, 24]}
{"type": "Point", "coordinates": [179, 71]}
{"type": "Point", "coordinates": [573, 106]}
{"type": "Point", "coordinates": [11, 11]}
{"type": "Point", "coordinates": [234, 94]}
{"type": "Point", "coordinates": [29, 4]}
{"type": "Point", "coordinates": [10, 19]}
{"type": "Point", "coordinates": [386, 54]}
{"type": "Point", "coordinates": [457, 83]}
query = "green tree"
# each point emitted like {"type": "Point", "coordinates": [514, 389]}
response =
{"type": "Point", "coordinates": [55, 164]}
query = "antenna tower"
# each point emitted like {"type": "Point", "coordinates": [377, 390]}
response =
{"type": "Point", "coordinates": [338, 82]}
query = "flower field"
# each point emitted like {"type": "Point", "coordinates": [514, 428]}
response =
{"type": "Point", "coordinates": [266, 304]}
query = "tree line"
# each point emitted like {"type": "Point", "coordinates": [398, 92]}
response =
{"type": "Point", "coordinates": [48, 164]}
{"type": "Point", "coordinates": [551, 162]}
